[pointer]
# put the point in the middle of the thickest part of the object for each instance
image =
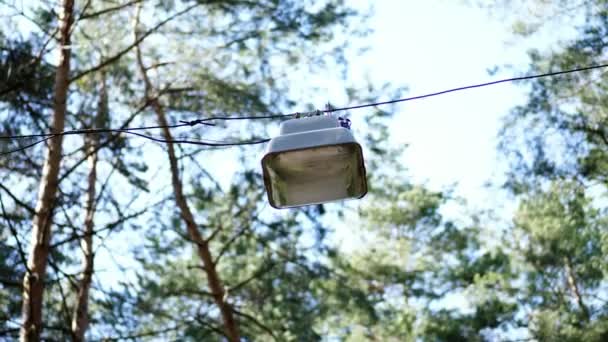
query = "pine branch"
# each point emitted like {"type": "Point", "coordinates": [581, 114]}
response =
{"type": "Point", "coordinates": [108, 226]}
{"type": "Point", "coordinates": [136, 43]}
{"type": "Point", "coordinates": [257, 323]}
{"type": "Point", "coordinates": [112, 138]}
{"type": "Point", "coordinates": [92, 15]}
{"type": "Point", "coordinates": [64, 304]}
{"type": "Point", "coordinates": [228, 243]}
{"type": "Point", "coordinates": [16, 237]}
{"type": "Point", "coordinates": [213, 278]}
{"type": "Point", "coordinates": [17, 201]}
{"type": "Point", "coordinates": [263, 269]}
{"type": "Point", "coordinates": [201, 321]}
{"type": "Point", "coordinates": [574, 287]}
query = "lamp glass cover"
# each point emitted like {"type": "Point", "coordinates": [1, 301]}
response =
{"type": "Point", "coordinates": [314, 175]}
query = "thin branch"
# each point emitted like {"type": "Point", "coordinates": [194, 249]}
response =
{"type": "Point", "coordinates": [8, 331]}
{"type": "Point", "coordinates": [201, 321]}
{"type": "Point", "coordinates": [21, 13]}
{"type": "Point", "coordinates": [180, 292]}
{"type": "Point", "coordinates": [215, 232]}
{"type": "Point", "coordinates": [196, 267]}
{"type": "Point", "coordinates": [92, 15]}
{"type": "Point", "coordinates": [105, 183]}
{"type": "Point", "coordinates": [158, 65]}
{"type": "Point", "coordinates": [58, 270]}
{"type": "Point", "coordinates": [283, 255]}
{"type": "Point", "coordinates": [226, 246]}
{"type": "Point", "coordinates": [16, 236]}
{"type": "Point", "coordinates": [79, 16]}
{"type": "Point", "coordinates": [64, 303]}
{"type": "Point", "coordinates": [12, 283]}
{"type": "Point", "coordinates": [220, 228]}
{"type": "Point", "coordinates": [574, 287]}
{"type": "Point", "coordinates": [17, 201]}
{"type": "Point", "coordinates": [111, 139]}
{"type": "Point", "coordinates": [139, 39]}
{"type": "Point", "coordinates": [255, 275]}
{"type": "Point", "coordinates": [216, 184]}
{"type": "Point", "coordinates": [257, 323]}
{"type": "Point", "coordinates": [108, 226]}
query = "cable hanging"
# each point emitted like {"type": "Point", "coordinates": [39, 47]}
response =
{"type": "Point", "coordinates": [211, 143]}
{"type": "Point", "coordinates": [209, 121]}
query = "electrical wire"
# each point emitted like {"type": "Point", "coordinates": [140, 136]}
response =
{"type": "Point", "coordinates": [206, 121]}
{"type": "Point", "coordinates": [479, 85]}
{"type": "Point", "coordinates": [211, 143]}
{"type": "Point", "coordinates": [251, 117]}
{"type": "Point", "coordinates": [418, 97]}
{"type": "Point", "coordinates": [101, 130]}
{"type": "Point", "coordinates": [23, 148]}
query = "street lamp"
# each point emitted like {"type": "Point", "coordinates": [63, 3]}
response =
{"type": "Point", "coordinates": [313, 160]}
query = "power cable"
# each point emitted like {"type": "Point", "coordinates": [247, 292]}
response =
{"type": "Point", "coordinates": [101, 130]}
{"type": "Point", "coordinates": [211, 143]}
{"type": "Point", "coordinates": [513, 79]}
{"type": "Point", "coordinates": [23, 148]}
{"type": "Point", "coordinates": [206, 121]}
{"type": "Point", "coordinates": [418, 97]}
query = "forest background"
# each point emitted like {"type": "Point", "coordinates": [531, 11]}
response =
{"type": "Point", "coordinates": [485, 219]}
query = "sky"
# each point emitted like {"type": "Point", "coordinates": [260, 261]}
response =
{"type": "Point", "coordinates": [434, 45]}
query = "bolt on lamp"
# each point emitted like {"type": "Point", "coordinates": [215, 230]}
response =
{"type": "Point", "coordinates": [313, 160]}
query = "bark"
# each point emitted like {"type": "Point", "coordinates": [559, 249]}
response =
{"type": "Point", "coordinates": [80, 317]}
{"type": "Point", "coordinates": [209, 267]}
{"type": "Point", "coordinates": [33, 284]}
{"type": "Point", "coordinates": [573, 285]}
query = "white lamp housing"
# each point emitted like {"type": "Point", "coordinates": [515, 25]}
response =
{"type": "Point", "coordinates": [313, 160]}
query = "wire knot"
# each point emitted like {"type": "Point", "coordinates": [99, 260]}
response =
{"type": "Point", "coordinates": [196, 122]}
{"type": "Point", "coordinates": [344, 122]}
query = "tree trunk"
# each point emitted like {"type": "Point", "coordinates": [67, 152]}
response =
{"type": "Point", "coordinates": [33, 282]}
{"type": "Point", "coordinates": [80, 317]}
{"type": "Point", "coordinates": [215, 284]}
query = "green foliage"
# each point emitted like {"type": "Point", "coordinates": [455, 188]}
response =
{"type": "Point", "coordinates": [557, 146]}
{"type": "Point", "coordinates": [414, 274]}
{"type": "Point", "coordinates": [19, 66]}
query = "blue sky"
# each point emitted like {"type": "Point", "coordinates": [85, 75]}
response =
{"type": "Point", "coordinates": [434, 45]}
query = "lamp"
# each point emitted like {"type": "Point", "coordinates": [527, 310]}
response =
{"type": "Point", "coordinates": [313, 160]}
